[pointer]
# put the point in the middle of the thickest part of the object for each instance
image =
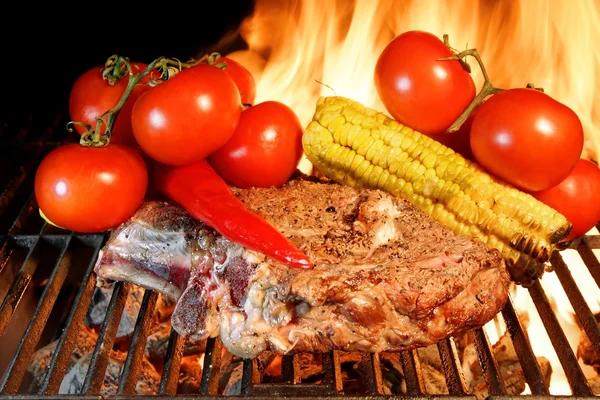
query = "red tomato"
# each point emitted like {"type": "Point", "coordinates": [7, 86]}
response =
{"type": "Point", "coordinates": [527, 138]}
{"type": "Point", "coordinates": [418, 89]}
{"type": "Point", "coordinates": [185, 119]}
{"type": "Point", "coordinates": [264, 150]}
{"type": "Point", "coordinates": [88, 189]}
{"type": "Point", "coordinates": [91, 96]}
{"type": "Point", "coordinates": [242, 78]}
{"type": "Point", "coordinates": [577, 197]}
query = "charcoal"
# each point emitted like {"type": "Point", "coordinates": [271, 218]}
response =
{"type": "Point", "coordinates": [311, 366]}
{"type": "Point", "coordinates": [594, 383]}
{"type": "Point", "coordinates": [393, 375]}
{"type": "Point", "coordinates": [158, 341]}
{"type": "Point", "coordinates": [84, 344]}
{"type": "Point", "coordinates": [265, 359]}
{"type": "Point", "coordinates": [354, 375]}
{"type": "Point", "coordinates": [228, 363]}
{"type": "Point", "coordinates": [268, 366]}
{"type": "Point", "coordinates": [430, 355]}
{"type": "Point", "coordinates": [100, 301]}
{"type": "Point", "coordinates": [509, 365]}
{"type": "Point", "coordinates": [391, 371]}
{"type": "Point", "coordinates": [271, 368]}
{"type": "Point", "coordinates": [434, 380]}
{"type": "Point", "coordinates": [234, 383]}
{"type": "Point", "coordinates": [164, 308]}
{"type": "Point", "coordinates": [147, 382]}
{"type": "Point", "coordinates": [587, 353]}
{"type": "Point", "coordinates": [470, 364]}
{"type": "Point", "coordinates": [230, 372]}
{"type": "Point", "coordinates": [190, 375]}
{"type": "Point", "coordinates": [462, 340]}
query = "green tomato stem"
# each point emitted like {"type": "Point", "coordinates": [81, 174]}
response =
{"type": "Point", "coordinates": [487, 90]}
{"type": "Point", "coordinates": [167, 67]}
{"type": "Point", "coordinates": [532, 86]}
{"type": "Point", "coordinates": [213, 59]}
{"type": "Point", "coordinates": [116, 68]}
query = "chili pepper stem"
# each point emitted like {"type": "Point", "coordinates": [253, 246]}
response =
{"type": "Point", "coordinates": [487, 90]}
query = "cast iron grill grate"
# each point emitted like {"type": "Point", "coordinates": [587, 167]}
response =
{"type": "Point", "coordinates": [33, 251]}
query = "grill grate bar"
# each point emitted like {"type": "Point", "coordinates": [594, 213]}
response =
{"type": "Point", "coordinates": [593, 242]}
{"type": "Point", "coordinates": [247, 369]}
{"type": "Point", "coordinates": [170, 374]}
{"type": "Point", "coordinates": [559, 341]}
{"type": "Point", "coordinates": [455, 379]}
{"type": "Point", "coordinates": [411, 366]}
{"type": "Point", "coordinates": [493, 377]}
{"type": "Point", "coordinates": [286, 391]}
{"type": "Point", "coordinates": [587, 319]}
{"type": "Point", "coordinates": [211, 368]}
{"type": "Point", "coordinates": [290, 369]}
{"type": "Point", "coordinates": [135, 355]}
{"type": "Point", "coordinates": [62, 353]}
{"type": "Point", "coordinates": [287, 368]}
{"type": "Point", "coordinates": [527, 358]}
{"type": "Point", "coordinates": [332, 371]}
{"type": "Point", "coordinates": [16, 370]}
{"type": "Point", "coordinates": [371, 370]}
{"type": "Point", "coordinates": [589, 259]}
{"type": "Point", "coordinates": [19, 285]}
{"type": "Point", "coordinates": [106, 338]}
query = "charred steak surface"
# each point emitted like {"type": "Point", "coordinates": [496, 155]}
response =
{"type": "Point", "coordinates": [387, 277]}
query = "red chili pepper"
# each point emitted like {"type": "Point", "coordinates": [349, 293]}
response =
{"type": "Point", "coordinates": [206, 196]}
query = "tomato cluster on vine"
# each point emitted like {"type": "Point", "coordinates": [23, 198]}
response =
{"type": "Point", "coordinates": [133, 116]}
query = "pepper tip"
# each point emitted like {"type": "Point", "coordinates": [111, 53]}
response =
{"type": "Point", "coordinates": [305, 263]}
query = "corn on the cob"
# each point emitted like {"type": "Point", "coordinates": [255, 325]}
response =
{"type": "Point", "coordinates": [360, 147]}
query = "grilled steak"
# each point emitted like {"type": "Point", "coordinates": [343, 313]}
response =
{"type": "Point", "coordinates": [386, 278]}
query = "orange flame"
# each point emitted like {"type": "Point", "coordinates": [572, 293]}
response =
{"type": "Point", "coordinates": [293, 45]}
